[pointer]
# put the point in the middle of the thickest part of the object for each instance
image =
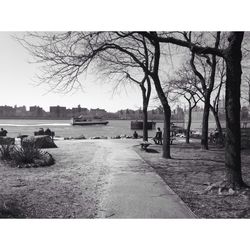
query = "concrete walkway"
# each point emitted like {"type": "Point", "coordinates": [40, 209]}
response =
{"type": "Point", "coordinates": [134, 190]}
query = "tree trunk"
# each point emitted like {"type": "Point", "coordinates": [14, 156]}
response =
{"type": "Point", "coordinates": [218, 125]}
{"type": "Point", "coordinates": [189, 123]}
{"type": "Point", "coordinates": [233, 58]}
{"type": "Point", "coordinates": [145, 100]}
{"type": "Point", "coordinates": [249, 93]}
{"type": "Point", "coordinates": [167, 117]}
{"type": "Point", "coordinates": [166, 132]}
{"type": "Point", "coordinates": [145, 122]}
{"type": "Point", "coordinates": [205, 120]}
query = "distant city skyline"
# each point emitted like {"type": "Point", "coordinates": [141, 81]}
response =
{"type": "Point", "coordinates": [18, 85]}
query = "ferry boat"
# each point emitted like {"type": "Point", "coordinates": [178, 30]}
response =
{"type": "Point", "coordinates": [83, 121]}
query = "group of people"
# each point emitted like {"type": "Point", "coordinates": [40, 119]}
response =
{"type": "Point", "coordinates": [3, 132]}
{"type": "Point", "coordinates": [157, 139]}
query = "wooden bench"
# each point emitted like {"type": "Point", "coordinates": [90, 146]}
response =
{"type": "Point", "coordinates": [145, 145]}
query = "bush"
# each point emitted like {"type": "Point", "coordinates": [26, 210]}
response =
{"type": "Point", "coordinates": [27, 154]}
{"type": "Point", "coordinates": [5, 151]}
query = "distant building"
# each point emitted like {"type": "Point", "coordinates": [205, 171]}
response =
{"type": "Point", "coordinates": [7, 111]}
{"type": "Point", "coordinates": [79, 111]}
{"type": "Point", "coordinates": [36, 111]}
{"type": "Point", "coordinates": [58, 112]}
{"type": "Point", "coordinates": [20, 111]}
{"type": "Point", "coordinates": [98, 112]}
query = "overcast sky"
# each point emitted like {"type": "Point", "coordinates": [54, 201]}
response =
{"type": "Point", "coordinates": [17, 78]}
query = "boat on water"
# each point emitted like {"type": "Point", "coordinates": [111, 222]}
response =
{"type": "Point", "coordinates": [139, 125]}
{"type": "Point", "coordinates": [83, 121]}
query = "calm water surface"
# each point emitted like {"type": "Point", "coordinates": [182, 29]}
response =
{"type": "Point", "coordinates": [63, 128]}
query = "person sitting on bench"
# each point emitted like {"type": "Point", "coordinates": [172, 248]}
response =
{"type": "Point", "coordinates": [158, 137]}
{"type": "Point", "coordinates": [135, 135]}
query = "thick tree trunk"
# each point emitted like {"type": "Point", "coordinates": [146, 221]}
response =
{"type": "Point", "coordinates": [233, 58]}
{"type": "Point", "coordinates": [145, 122]}
{"type": "Point", "coordinates": [205, 120]}
{"type": "Point", "coordinates": [167, 117]}
{"type": "Point", "coordinates": [189, 124]}
{"type": "Point", "coordinates": [166, 133]}
{"type": "Point", "coordinates": [145, 99]}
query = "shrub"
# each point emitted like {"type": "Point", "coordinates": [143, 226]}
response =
{"type": "Point", "coordinates": [26, 154]}
{"type": "Point", "coordinates": [5, 151]}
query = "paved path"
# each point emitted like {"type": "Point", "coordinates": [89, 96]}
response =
{"type": "Point", "coordinates": [133, 189]}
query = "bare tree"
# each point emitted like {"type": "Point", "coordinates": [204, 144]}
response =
{"type": "Point", "coordinates": [184, 86]}
{"type": "Point", "coordinates": [232, 55]}
{"type": "Point", "coordinates": [65, 56]}
{"type": "Point", "coordinates": [214, 107]}
{"type": "Point", "coordinates": [119, 65]}
{"type": "Point", "coordinates": [207, 85]}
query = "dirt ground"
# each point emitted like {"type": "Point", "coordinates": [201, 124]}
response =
{"type": "Point", "coordinates": [192, 170]}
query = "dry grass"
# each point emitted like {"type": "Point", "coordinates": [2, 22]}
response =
{"type": "Point", "coordinates": [192, 170]}
{"type": "Point", "coordinates": [68, 189]}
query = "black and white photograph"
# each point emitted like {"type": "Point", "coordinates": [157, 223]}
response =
{"type": "Point", "coordinates": [125, 124]}
{"type": "Point", "coordinates": [113, 124]}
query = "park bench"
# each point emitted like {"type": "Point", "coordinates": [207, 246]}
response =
{"type": "Point", "coordinates": [172, 139]}
{"type": "Point", "coordinates": [145, 145]}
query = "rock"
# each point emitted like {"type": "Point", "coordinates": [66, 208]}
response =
{"type": "Point", "coordinates": [4, 140]}
{"type": "Point", "coordinates": [41, 141]}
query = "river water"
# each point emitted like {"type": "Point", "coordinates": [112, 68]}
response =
{"type": "Point", "coordinates": [63, 128]}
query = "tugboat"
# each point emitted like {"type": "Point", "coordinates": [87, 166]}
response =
{"type": "Point", "coordinates": [84, 121]}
